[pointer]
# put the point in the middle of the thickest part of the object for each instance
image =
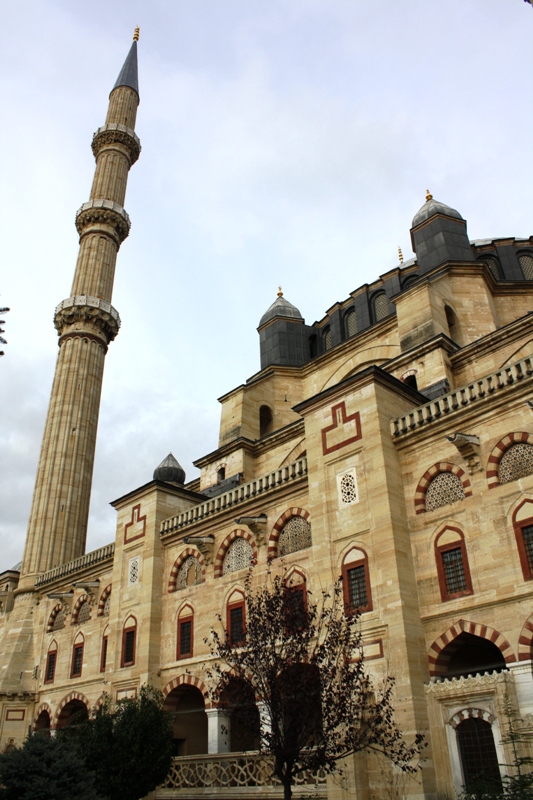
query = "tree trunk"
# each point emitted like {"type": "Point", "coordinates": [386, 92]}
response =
{"type": "Point", "coordinates": [287, 790]}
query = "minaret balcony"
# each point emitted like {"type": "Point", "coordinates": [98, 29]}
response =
{"type": "Point", "coordinates": [88, 314]}
{"type": "Point", "coordinates": [116, 133]}
{"type": "Point", "coordinates": [95, 213]}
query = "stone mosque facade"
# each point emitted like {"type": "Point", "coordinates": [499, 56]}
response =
{"type": "Point", "coordinates": [390, 443]}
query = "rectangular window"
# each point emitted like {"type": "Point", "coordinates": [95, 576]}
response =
{"type": "Point", "coordinates": [454, 570]}
{"type": "Point", "coordinates": [185, 638]}
{"type": "Point", "coordinates": [295, 608]}
{"type": "Point", "coordinates": [527, 536]}
{"type": "Point", "coordinates": [50, 667]}
{"type": "Point", "coordinates": [77, 660]}
{"type": "Point", "coordinates": [128, 647]}
{"type": "Point", "coordinates": [357, 591]}
{"type": "Point", "coordinates": [103, 658]}
{"type": "Point", "coordinates": [236, 623]}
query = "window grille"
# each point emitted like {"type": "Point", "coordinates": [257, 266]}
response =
{"type": "Point", "coordinates": [190, 573]}
{"type": "Point", "coordinates": [107, 605]}
{"type": "Point", "coordinates": [84, 613]}
{"type": "Point", "coordinates": [133, 575]}
{"type": "Point", "coordinates": [327, 339]}
{"type": "Point", "coordinates": [527, 536]}
{"type": "Point", "coordinates": [350, 323]}
{"type": "Point", "coordinates": [357, 592]}
{"type": "Point", "coordinates": [381, 306]}
{"type": "Point", "coordinates": [445, 488]}
{"type": "Point", "coordinates": [103, 660]}
{"type": "Point", "coordinates": [51, 667]}
{"type": "Point", "coordinates": [347, 488]}
{"type": "Point", "coordinates": [526, 262]}
{"type": "Point", "coordinates": [59, 621]}
{"type": "Point", "coordinates": [493, 265]}
{"type": "Point", "coordinates": [454, 570]}
{"type": "Point", "coordinates": [236, 624]}
{"type": "Point", "coordinates": [238, 556]}
{"type": "Point", "coordinates": [516, 462]}
{"type": "Point", "coordinates": [129, 648]}
{"type": "Point", "coordinates": [478, 754]}
{"type": "Point", "coordinates": [296, 535]}
{"type": "Point", "coordinates": [77, 660]}
{"type": "Point", "coordinates": [186, 638]}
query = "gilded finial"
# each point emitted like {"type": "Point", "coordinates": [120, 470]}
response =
{"type": "Point", "coordinates": [280, 293]}
{"type": "Point", "coordinates": [429, 196]}
{"type": "Point", "coordinates": [136, 34]}
{"type": "Point", "coordinates": [400, 254]}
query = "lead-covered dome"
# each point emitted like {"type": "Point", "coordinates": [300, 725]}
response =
{"type": "Point", "coordinates": [432, 207]}
{"type": "Point", "coordinates": [170, 471]}
{"type": "Point", "coordinates": [280, 308]}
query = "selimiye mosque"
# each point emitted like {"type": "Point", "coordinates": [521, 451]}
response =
{"type": "Point", "coordinates": [402, 463]}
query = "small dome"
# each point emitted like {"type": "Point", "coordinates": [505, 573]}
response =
{"type": "Point", "coordinates": [280, 308]}
{"type": "Point", "coordinates": [432, 207]}
{"type": "Point", "coordinates": [169, 471]}
{"type": "Point", "coordinates": [17, 567]}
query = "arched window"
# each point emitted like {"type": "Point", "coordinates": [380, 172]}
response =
{"type": "Point", "coordinates": [77, 656]}
{"type": "Point", "coordinates": [453, 324]}
{"type": "Point", "coordinates": [57, 619]}
{"type": "Point", "coordinates": [516, 462]}
{"type": "Point", "coordinates": [84, 613]}
{"type": "Point", "coordinates": [190, 573]}
{"type": "Point", "coordinates": [526, 262]}
{"type": "Point", "coordinates": [479, 760]}
{"type": "Point", "coordinates": [356, 581]}
{"type": "Point", "coordinates": [408, 282]}
{"type": "Point", "coordinates": [452, 564]}
{"type": "Point", "coordinates": [295, 535]}
{"type": "Point", "coordinates": [328, 342]}
{"type": "Point", "coordinates": [350, 323]}
{"type": "Point", "coordinates": [409, 378]}
{"type": "Point", "coordinates": [313, 346]}
{"type": "Point", "coordinates": [107, 606]}
{"type": "Point", "coordinates": [221, 474]}
{"type": "Point", "coordinates": [445, 488]}
{"type": "Point", "coordinates": [129, 641]}
{"type": "Point", "coordinates": [493, 264]}
{"type": "Point", "coordinates": [239, 555]}
{"type": "Point", "coordinates": [51, 661]}
{"type": "Point", "coordinates": [295, 602]}
{"type": "Point", "coordinates": [103, 652]}
{"type": "Point", "coordinates": [380, 306]}
{"type": "Point", "coordinates": [265, 420]}
{"type": "Point", "coordinates": [185, 633]}
{"type": "Point", "coordinates": [236, 619]}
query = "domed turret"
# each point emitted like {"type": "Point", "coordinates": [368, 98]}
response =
{"type": "Point", "coordinates": [432, 207]}
{"type": "Point", "coordinates": [170, 471]}
{"type": "Point", "coordinates": [438, 235]}
{"type": "Point", "coordinates": [280, 308]}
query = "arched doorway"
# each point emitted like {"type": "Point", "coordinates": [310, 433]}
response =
{"type": "Point", "coordinates": [186, 703]}
{"type": "Point", "coordinates": [72, 714]}
{"type": "Point", "coordinates": [238, 702]}
{"type": "Point", "coordinates": [470, 655]}
{"type": "Point", "coordinates": [42, 723]}
{"type": "Point", "coordinates": [479, 760]}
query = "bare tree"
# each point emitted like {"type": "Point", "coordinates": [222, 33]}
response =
{"type": "Point", "coordinates": [302, 661]}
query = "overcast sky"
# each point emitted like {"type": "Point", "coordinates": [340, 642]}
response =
{"type": "Point", "coordinates": [284, 142]}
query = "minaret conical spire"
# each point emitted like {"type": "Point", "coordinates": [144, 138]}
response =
{"type": "Point", "coordinates": [86, 323]}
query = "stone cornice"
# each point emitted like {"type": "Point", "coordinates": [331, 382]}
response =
{"type": "Point", "coordinates": [454, 685]}
{"type": "Point", "coordinates": [100, 211]}
{"type": "Point", "coordinates": [115, 133]}
{"type": "Point", "coordinates": [492, 341]}
{"type": "Point", "coordinates": [85, 315]}
{"type": "Point", "coordinates": [89, 560]}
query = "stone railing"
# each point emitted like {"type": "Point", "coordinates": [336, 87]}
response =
{"type": "Point", "coordinates": [247, 491]}
{"type": "Point", "coordinates": [229, 771]}
{"type": "Point", "coordinates": [461, 398]}
{"type": "Point", "coordinates": [94, 557]}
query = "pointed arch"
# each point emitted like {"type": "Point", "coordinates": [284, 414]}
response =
{"type": "Point", "coordinates": [52, 618]}
{"type": "Point", "coordinates": [103, 598]}
{"type": "Point", "coordinates": [517, 437]}
{"type": "Point", "coordinates": [238, 533]}
{"type": "Point", "coordinates": [41, 708]}
{"type": "Point", "coordinates": [525, 640]}
{"type": "Point", "coordinates": [83, 598]}
{"type": "Point", "coordinates": [430, 474]}
{"type": "Point", "coordinates": [68, 699]}
{"type": "Point", "coordinates": [280, 524]}
{"type": "Point", "coordinates": [187, 553]}
{"type": "Point", "coordinates": [438, 661]}
{"type": "Point", "coordinates": [189, 680]}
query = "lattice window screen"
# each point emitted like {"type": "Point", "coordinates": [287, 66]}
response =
{"type": "Point", "coordinates": [84, 613]}
{"type": "Point", "coordinates": [350, 322]}
{"type": "Point", "coordinates": [133, 572]}
{"type": "Point", "coordinates": [347, 488]}
{"type": "Point", "coordinates": [516, 462]}
{"type": "Point", "coordinates": [445, 488]}
{"type": "Point", "coordinates": [107, 605]}
{"type": "Point", "coordinates": [526, 262]}
{"type": "Point", "coordinates": [381, 306]}
{"type": "Point", "coordinates": [296, 535]}
{"type": "Point", "coordinates": [190, 573]}
{"type": "Point", "coordinates": [59, 621]}
{"type": "Point", "coordinates": [238, 556]}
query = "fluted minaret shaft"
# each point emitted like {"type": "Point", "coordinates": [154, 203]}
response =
{"type": "Point", "coordinates": [86, 323]}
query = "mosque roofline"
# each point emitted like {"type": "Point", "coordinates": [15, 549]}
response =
{"type": "Point", "coordinates": [173, 488]}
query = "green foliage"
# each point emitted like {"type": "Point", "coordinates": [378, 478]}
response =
{"type": "Point", "coordinates": [45, 768]}
{"type": "Point", "coordinates": [304, 664]}
{"type": "Point", "coordinates": [128, 746]}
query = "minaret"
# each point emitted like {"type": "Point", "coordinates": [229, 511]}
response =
{"type": "Point", "coordinates": [86, 323]}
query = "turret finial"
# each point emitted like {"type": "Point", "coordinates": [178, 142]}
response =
{"type": "Point", "coordinates": [400, 254]}
{"type": "Point", "coordinates": [136, 34]}
{"type": "Point", "coordinates": [280, 293]}
{"type": "Point", "coordinates": [429, 196]}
